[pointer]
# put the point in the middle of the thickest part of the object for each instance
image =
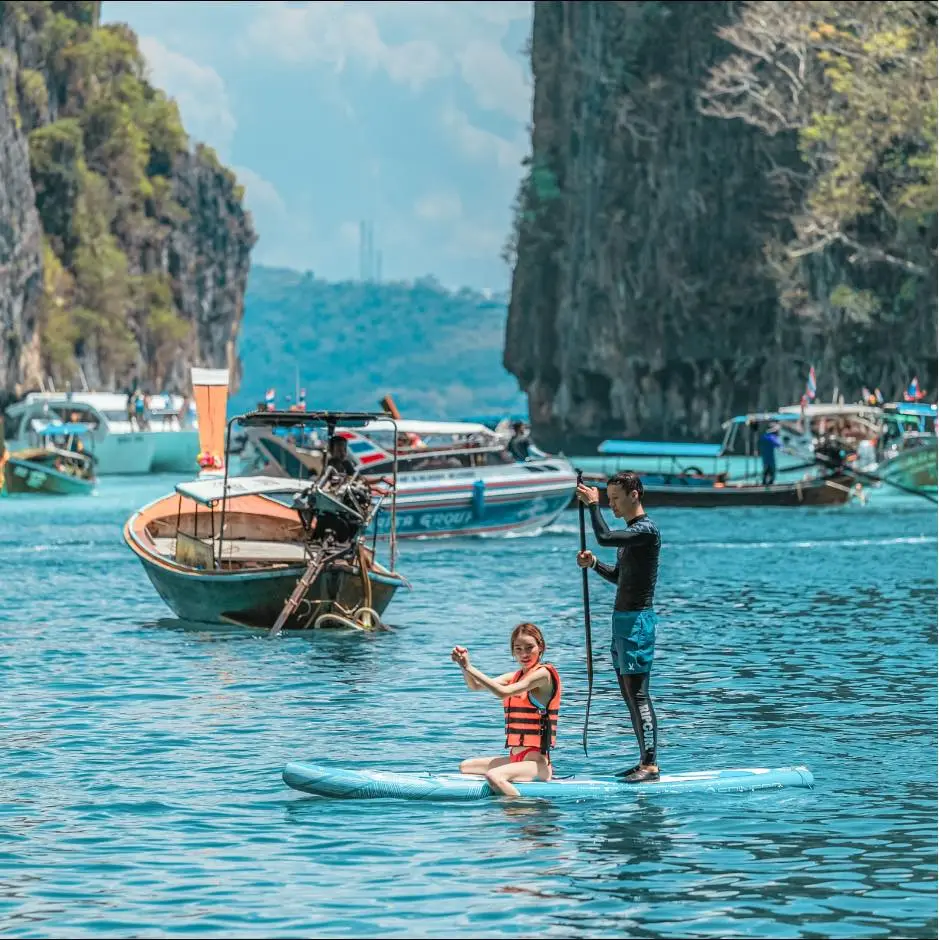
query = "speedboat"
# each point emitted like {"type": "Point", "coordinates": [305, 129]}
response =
{"type": "Point", "coordinates": [175, 434]}
{"type": "Point", "coordinates": [459, 478]}
{"type": "Point", "coordinates": [119, 448]}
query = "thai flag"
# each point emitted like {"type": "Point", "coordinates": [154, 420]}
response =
{"type": "Point", "coordinates": [362, 450]}
{"type": "Point", "coordinates": [810, 387]}
{"type": "Point", "coordinates": [913, 393]}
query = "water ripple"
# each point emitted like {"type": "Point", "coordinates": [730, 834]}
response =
{"type": "Point", "coordinates": [141, 768]}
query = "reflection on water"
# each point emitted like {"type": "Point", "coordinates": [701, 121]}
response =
{"type": "Point", "coordinates": [141, 769]}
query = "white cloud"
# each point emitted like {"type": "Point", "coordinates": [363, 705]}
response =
{"type": "Point", "coordinates": [285, 234]}
{"type": "Point", "coordinates": [199, 92]}
{"type": "Point", "coordinates": [261, 195]}
{"type": "Point", "coordinates": [476, 240]}
{"type": "Point", "coordinates": [340, 35]}
{"type": "Point", "coordinates": [439, 207]}
{"type": "Point", "coordinates": [412, 42]}
{"type": "Point", "coordinates": [498, 81]}
{"type": "Point", "coordinates": [481, 144]}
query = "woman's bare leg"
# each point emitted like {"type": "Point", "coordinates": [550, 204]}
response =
{"type": "Point", "coordinates": [524, 771]}
{"type": "Point", "coordinates": [479, 765]}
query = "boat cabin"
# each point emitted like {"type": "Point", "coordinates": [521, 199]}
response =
{"type": "Point", "coordinates": [426, 445]}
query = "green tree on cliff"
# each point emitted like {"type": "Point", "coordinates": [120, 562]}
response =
{"type": "Point", "coordinates": [105, 151]}
{"type": "Point", "coordinates": [856, 82]}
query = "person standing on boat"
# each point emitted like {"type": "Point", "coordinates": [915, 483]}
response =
{"type": "Point", "coordinates": [769, 444]}
{"type": "Point", "coordinates": [338, 457]}
{"type": "Point", "coordinates": [520, 443]}
{"type": "Point", "coordinates": [634, 621]}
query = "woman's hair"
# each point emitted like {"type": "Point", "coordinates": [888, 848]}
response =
{"type": "Point", "coordinates": [528, 629]}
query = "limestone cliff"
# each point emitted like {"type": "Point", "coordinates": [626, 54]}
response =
{"type": "Point", "coordinates": [145, 243]}
{"type": "Point", "coordinates": [20, 245]}
{"type": "Point", "coordinates": [643, 302]}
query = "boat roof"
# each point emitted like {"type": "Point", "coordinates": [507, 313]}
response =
{"type": "Point", "coordinates": [492, 421]}
{"type": "Point", "coordinates": [296, 419]}
{"type": "Point", "coordinates": [658, 449]}
{"type": "Point", "coordinates": [211, 491]}
{"type": "Point", "coordinates": [104, 401]}
{"type": "Point", "coordinates": [69, 427]}
{"type": "Point", "coordinates": [916, 408]}
{"type": "Point", "coordinates": [431, 427]}
{"type": "Point", "coordinates": [833, 408]}
{"type": "Point", "coordinates": [763, 417]}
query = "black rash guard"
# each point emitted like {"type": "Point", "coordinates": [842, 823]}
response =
{"type": "Point", "coordinates": [637, 559]}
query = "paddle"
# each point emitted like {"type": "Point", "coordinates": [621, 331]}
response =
{"type": "Point", "coordinates": [583, 548]}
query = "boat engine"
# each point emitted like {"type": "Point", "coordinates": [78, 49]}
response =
{"type": "Point", "coordinates": [334, 513]}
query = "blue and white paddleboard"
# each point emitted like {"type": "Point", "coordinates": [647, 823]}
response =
{"type": "Point", "coordinates": [388, 785]}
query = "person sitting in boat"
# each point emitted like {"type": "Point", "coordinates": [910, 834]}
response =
{"type": "Point", "coordinates": [519, 445]}
{"type": "Point", "coordinates": [830, 453]}
{"type": "Point", "coordinates": [769, 444]}
{"type": "Point", "coordinates": [338, 456]}
{"type": "Point", "coordinates": [532, 698]}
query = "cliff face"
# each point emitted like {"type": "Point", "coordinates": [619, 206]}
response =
{"type": "Point", "coordinates": [144, 245]}
{"type": "Point", "coordinates": [643, 303]}
{"type": "Point", "coordinates": [20, 245]}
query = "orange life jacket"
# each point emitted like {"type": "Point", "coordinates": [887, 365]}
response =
{"type": "Point", "coordinates": [528, 724]}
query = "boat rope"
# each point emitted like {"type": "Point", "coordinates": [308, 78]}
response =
{"type": "Point", "coordinates": [364, 618]}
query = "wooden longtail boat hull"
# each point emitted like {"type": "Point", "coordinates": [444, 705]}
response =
{"type": "Point", "coordinates": [692, 493]}
{"type": "Point", "coordinates": [29, 476]}
{"type": "Point", "coordinates": [257, 572]}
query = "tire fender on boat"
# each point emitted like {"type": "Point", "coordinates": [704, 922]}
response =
{"type": "Point", "coordinates": [479, 499]}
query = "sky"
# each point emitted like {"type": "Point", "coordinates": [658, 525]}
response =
{"type": "Point", "coordinates": [414, 115]}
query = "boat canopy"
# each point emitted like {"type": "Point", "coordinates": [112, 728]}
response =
{"type": "Point", "coordinates": [296, 419]}
{"type": "Point", "coordinates": [763, 417]}
{"type": "Point", "coordinates": [101, 401]}
{"type": "Point", "coordinates": [70, 427]}
{"type": "Point", "coordinates": [493, 421]}
{"type": "Point", "coordinates": [832, 409]}
{"type": "Point", "coordinates": [428, 428]}
{"type": "Point", "coordinates": [658, 449]}
{"type": "Point", "coordinates": [211, 491]}
{"type": "Point", "coordinates": [916, 409]}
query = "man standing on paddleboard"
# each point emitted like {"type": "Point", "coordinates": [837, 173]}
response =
{"type": "Point", "coordinates": [634, 620]}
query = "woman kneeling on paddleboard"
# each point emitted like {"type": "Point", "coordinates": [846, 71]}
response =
{"type": "Point", "coordinates": [532, 698]}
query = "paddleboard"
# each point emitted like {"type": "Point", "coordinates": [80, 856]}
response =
{"type": "Point", "coordinates": [344, 783]}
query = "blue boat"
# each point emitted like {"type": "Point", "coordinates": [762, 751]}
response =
{"type": "Point", "coordinates": [679, 480]}
{"type": "Point", "coordinates": [458, 478]}
{"type": "Point", "coordinates": [60, 467]}
{"type": "Point", "coordinates": [453, 477]}
{"type": "Point", "coordinates": [909, 456]}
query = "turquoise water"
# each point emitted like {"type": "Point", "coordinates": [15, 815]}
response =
{"type": "Point", "coordinates": [140, 772]}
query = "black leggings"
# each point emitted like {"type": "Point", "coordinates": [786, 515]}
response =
{"type": "Point", "coordinates": [635, 689]}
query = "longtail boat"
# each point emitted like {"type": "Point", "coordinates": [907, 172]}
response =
{"type": "Point", "coordinates": [60, 467]}
{"type": "Point", "coordinates": [270, 552]}
{"type": "Point", "coordinates": [682, 482]}
{"type": "Point", "coordinates": [908, 446]}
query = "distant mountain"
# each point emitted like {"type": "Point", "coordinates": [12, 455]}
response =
{"type": "Point", "coordinates": [436, 351]}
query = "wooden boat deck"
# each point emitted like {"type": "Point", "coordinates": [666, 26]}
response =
{"type": "Point", "coordinates": [244, 550]}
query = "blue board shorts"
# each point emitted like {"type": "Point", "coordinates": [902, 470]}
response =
{"type": "Point", "coordinates": [633, 646]}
